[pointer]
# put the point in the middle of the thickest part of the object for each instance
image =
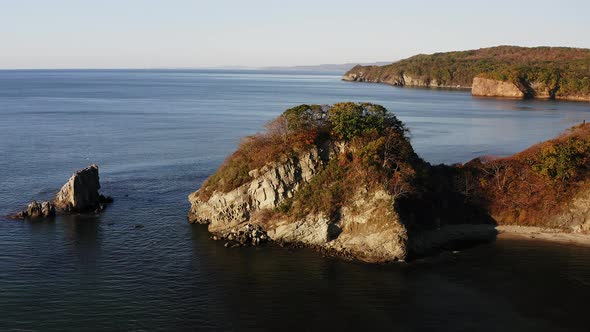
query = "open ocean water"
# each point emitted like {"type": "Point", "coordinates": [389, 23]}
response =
{"type": "Point", "coordinates": [157, 134]}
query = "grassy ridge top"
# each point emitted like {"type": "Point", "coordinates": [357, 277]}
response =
{"type": "Point", "coordinates": [567, 70]}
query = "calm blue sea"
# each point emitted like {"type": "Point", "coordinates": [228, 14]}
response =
{"type": "Point", "coordinates": [157, 134]}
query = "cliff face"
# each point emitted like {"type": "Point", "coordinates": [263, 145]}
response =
{"type": "Point", "coordinates": [355, 191]}
{"type": "Point", "coordinates": [369, 75]}
{"type": "Point", "coordinates": [504, 71]}
{"type": "Point", "coordinates": [575, 216]}
{"type": "Point", "coordinates": [486, 87]}
{"type": "Point", "coordinates": [270, 186]}
{"type": "Point", "coordinates": [367, 229]}
{"type": "Point", "coordinates": [345, 179]}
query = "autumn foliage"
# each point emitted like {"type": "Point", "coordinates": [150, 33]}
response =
{"type": "Point", "coordinates": [370, 149]}
{"type": "Point", "coordinates": [375, 142]}
{"type": "Point", "coordinates": [533, 185]}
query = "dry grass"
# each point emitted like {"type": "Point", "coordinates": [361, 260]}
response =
{"type": "Point", "coordinates": [533, 185]}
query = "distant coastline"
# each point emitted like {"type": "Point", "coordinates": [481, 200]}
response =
{"type": "Point", "coordinates": [559, 73]}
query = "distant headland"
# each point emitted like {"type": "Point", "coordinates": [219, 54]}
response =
{"type": "Point", "coordinates": [502, 71]}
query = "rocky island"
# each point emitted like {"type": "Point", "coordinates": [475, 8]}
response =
{"type": "Point", "coordinates": [503, 71]}
{"type": "Point", "coordinates": [79, 195]}
{"type": "Point", "coordinates": [345, 179]}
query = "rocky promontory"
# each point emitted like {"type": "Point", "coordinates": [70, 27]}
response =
{"type": "Point", "coordinates": [79, 195]}
{"type": "Point", "coordinates": [346, 180]}
{"type": "Point", "coordinates": [341, 178]}
{"type": "Point", "coordinates": [503, 71]}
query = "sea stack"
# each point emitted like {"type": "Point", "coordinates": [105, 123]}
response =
{"type": "Point", "coordinates": [79, 195]}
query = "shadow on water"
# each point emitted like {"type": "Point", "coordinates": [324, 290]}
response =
{"type": "Point", "coordinates": [84, 233]}
{"type": "Point", "coordinates": [439, 217]}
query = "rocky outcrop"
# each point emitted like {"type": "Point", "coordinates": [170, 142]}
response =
{"type": "Point", "coordinates": [367, 229]}
{"type": "Point", "coordinates": [371, 230]}
{"type": "Point", "coordinates": [270, 185]}
{"type": "Point", "coordinates": [401, 79]}
{"type": "Point", "coordinates": [575, 216]}
{"type": "Point", "coordinates": [485, 87]}
{"type": "Point", "coordinates": [538, 72]}
{"type": "Point", "coordinates": [80, 193]}
{"type": "Point", "coordinates": [36, 210]}
{"type": "Point", "coordinates": [245, 235]}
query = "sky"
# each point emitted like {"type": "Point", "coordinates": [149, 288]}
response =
{"type": "Point", "coordinates": [254, 33]}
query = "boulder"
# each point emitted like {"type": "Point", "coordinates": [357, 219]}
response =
{"type": "Point", "coordinates": [36, 210]}
{"type": "Point", "coordinates": [80, 193]}
{"type": "Point", "coordinates": [40, 210]}
{"type": "Point", "coordinates": [245, 235]}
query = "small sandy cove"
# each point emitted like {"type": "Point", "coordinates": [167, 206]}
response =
{"type": "Point", "coordinates": [538, 233]}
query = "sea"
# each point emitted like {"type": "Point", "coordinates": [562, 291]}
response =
{"type": "Point", "coordinates": [158, 134]}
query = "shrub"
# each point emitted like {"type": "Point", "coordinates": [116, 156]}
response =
{"type": "Point", "coordinates": [562, 160]}
{"type": "Point", "coordinates": [299, 128]}
{"type": "Point", "coordinates": [348, 120]}
{"type": "Point", "coordinates": [565, 69]}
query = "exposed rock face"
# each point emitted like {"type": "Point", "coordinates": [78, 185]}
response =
{"type": "Point", "coordinates": [40, 210]}
{"type": "Point", "coordinates": [269, 187]}
{"type": "Point", "coordinates": [370, 229]}
{"type": "Point", "coordinates": [402, 79]}
{"type": "Point", "coordinates": [80, 193]}
{"type": "Point", "coordinates": [485, 87]}
{"type": "Point", "coordinates": [481, 86]}
{"type": "Point", "coordinates": [538, 72]}
{"type": "Point", "coordinates": [367, 229]}
{"type": "Point", "coordinates": [576, 215]}
{"type": "Point", "coordinates": [36, 210]}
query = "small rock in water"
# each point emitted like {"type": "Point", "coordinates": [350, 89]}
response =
{"type": "Point", "coordinates": [36, 210]}
{"type": "Point", "coordinates": [79, 194]}
{"type": "Point", "coordinates": [247, 235]}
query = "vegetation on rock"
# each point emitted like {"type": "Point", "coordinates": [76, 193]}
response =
{"type": "Point", "coordinates": [373, 139]}
{"type": "Point", "coordinates": [562, 72]}
{"type": "Point", "coordinates": [530, 187]}
{"type": "Point", "coordinates": [370, 151]}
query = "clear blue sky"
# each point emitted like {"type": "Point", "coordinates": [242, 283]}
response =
{"type": "Point", "coordinates": [207, 33]}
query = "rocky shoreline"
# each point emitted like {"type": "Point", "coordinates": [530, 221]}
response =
{"type": "Point", "coordinates": [447, 239]}
{"type": "Point", "coordinates": [549, 73]}
{"type": "Point", "coordinates": [481, 87]}
{"type": "Point", "coordinates": [326, 196]}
